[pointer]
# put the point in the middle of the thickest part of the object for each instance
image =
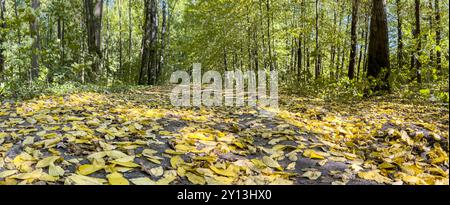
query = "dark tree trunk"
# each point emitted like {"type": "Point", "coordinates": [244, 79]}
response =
{"type": "Point", "coordinates": [94, 15]}
{"type": "Point", "coordinates": [378, 60]}
{"type": "Point", "coordinates": [149, 44]}
{"type": "Point", "coordinates": [354, 39]}
{"type": "Point", "coordinates": [299, 58]}
{"type": "Point", "coordinates": [2, 36]}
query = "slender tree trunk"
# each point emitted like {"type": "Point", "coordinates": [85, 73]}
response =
{"type": "Point", "coordinates": [299, 58]}
{"type": "Point", "coordinates": [269, 37]}
{"type": "Point", "coordinates": [354, 39]}
{"type": "Point", "coordinates": [366, 46]}
{"type": "Point", "coordinates": [379, 65]}
{"type": "Point", "coordinates": [121, 72]}
{"type": "Point", "coordinates": [318, 52]}
{"type": "Point", "coordinates": [34, 32]}
{"type": "Point", "coordinates": [399, 36]}
{"type": "Point", "coordinates": [418, 42]}
{"type": "Point", "coordinates": [438, 36]}
{"type": "Point", "coordinates": [163, 38]}
{"type": "Point", "coordinates": [431, 29]}
{"type": "Point", "coordinates": [360, 55]}
{"type": "Point", "coordinates": [61, 30]}
{"type": "Point", "coordinates": [16, 13]}
{"type": "Point", "coordinates": [106, 49]}
{"type": "Point", "coordinates": [333, 45]}
{"type": "Point", "coordinates": [130, 40]}
{"type": "Point", "coordinates": [2, 37]}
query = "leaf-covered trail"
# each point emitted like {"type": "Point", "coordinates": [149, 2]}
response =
{"type": "Point", "coordinates": [139, 138]}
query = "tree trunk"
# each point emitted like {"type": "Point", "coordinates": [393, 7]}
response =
{"type": "Point", "coordinates": [399, 36]}
{"type": "Point", "coordinates": [418, 42]}
{"type": "Point", "coordinates": [317, 66]}
{"type": "Point", "coordinates": [34, 33]}
{"type": "Point", "coordinates": [358, 74]}
{"type": "Point", "coordinates": [438, 36]}
{"type": "Point", "coordinates": [16, 13]}
{"type": "Point", "coordinates": [2, 37]}
{"type": "Point", "coordinates": [269, 37]}
{"type": "Point", "coordinates": [130, 40]}
{"type": "Point", "coordinates": [354, 39]}
{"type": "Point", "coordinates": [120, 40]}
{"type": "Point", "coordinates": [163, 38]}
{"type": "Point", "coordinates": [94, 15]}
{"type": "Point", "coordinates": [378, 60]}
{"type": "Point", "coordinates": [149, 41]}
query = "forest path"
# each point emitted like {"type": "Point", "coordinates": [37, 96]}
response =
{"type": "Point", "coordinates": [138, 137]}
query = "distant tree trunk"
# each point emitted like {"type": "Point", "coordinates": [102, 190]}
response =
{"type": "Point", "coordinates": [333, 45]}
{"type": "Point", "coordinates": [366, 45]}
{"type": "Point", "coordinates": [378, 60]}
{"type": "Point", "coordinates": [121, 73]}
{"type": "Point", "coordinates": [399, 36]}
{"type": "Point", "coordinates": [299, 58]}
{"type": "Point", "coordinates": [317, 66]}
{"type": "Point", "coordinates": [106, 49]}
{"type": "Point", "coordinates": [431, 29]}
{"type": "Point", "coordinates": [2, 36]}
{"type": "Point", "coordinates": [418, 42]}
{"type": "Point", "coordinates": [438, 36]}
{"type": "Point", "coordinates": [340, 49]}
{"type": "Point", "coordinates": [34, 32]}
{"type": "Point", "coordinates": [149, 41]}
{"type": "Point", "coordinates": [354, 39]}
{"type": "Point", "coordinates": [61, 31]}
{"type": "Point", "coordinates": [263, 41]}
{"type": "Point", "coordinates": [16, 13]}
{"type": "Point", "coordinates": [94, 15]}
{"type": "Point", "coordinates": [130, 39]}
{"type": "Point", "coordinates": [269, 37]}
{"type": "Point", "coordinates": [360, 58]}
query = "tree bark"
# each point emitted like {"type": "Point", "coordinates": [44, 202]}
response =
{"type": "Point", "coordinates": [34, 33]}
{"type": "Point", "coordinates": [418, 42]}
{"type": "Point", "coordinates": [438, 36]}
{"type": "Point", "coordinates": [399, 36]}
{"type": "Point", "coordinates": [121, 72]}
{"type": "Point", "coordinates": [354, 39]}
{"type": "Point", "coordinates": [16, 13]}
{"type": "Point", "coordinates": [163, 38]}
{"type": "Point", "coordinates": [317, 66]}
{"type": "Point", "coordinates": [378, 60]}
{"type": "Point", "coordinates": [130, 40]}
{"type": "Point", "coordinates": [94, 15]}
{"type": "Point", "coordinates": [149, 44]}
{"type": "Point", "coordinates": [2, 37]}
